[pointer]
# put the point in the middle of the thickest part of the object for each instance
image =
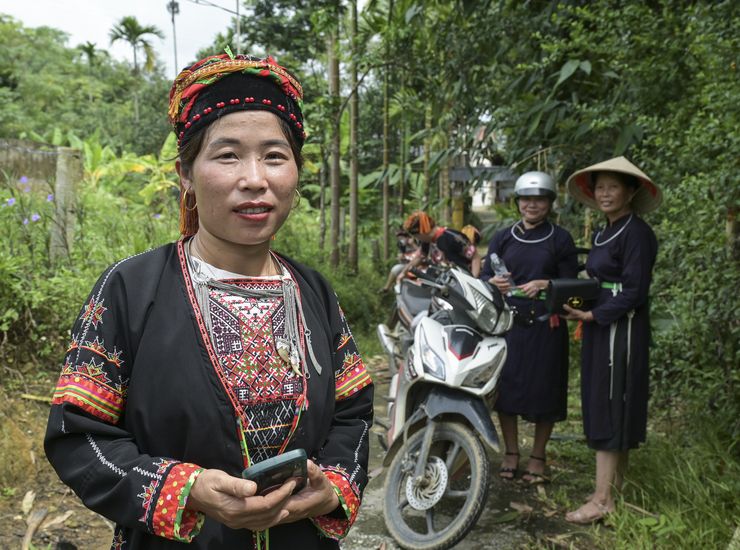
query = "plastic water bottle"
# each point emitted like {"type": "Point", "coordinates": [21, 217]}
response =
{"type": "Point", "coordinates": [499, 268]}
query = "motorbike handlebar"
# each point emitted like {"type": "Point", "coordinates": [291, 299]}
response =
{"type": "Point", "coordinates": [426, 279]}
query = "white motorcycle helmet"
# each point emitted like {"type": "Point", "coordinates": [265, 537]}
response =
{"type": "Point", "coordinates": [535, 184]}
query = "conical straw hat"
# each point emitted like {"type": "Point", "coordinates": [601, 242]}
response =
{"type": "Point", "coordinates": [647, 198]}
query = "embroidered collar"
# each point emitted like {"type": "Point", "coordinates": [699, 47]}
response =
{"type": "Point", "coordinates": [291, 348]}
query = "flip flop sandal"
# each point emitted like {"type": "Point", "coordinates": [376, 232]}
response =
{"type": "Point", "coordinates": [582, 518]}
{"type": "Point", "coordinates": [503, 470]}
{"type": "Point", "coordinates": [534, 478]}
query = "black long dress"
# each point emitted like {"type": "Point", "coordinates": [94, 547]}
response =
{"type": "Point", "coordinates": [147, 399]}
{"type": "Point", "coordinates": [614, 371]}
{"type": "Point", "coordinates": [534, 380]}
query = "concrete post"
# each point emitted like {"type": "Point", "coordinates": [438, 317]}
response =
{"type": "Point", "coordinates": [69, 173]}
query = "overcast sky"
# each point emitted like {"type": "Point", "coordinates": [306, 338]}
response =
{"type": "Point", "coordinates": [91, 21]}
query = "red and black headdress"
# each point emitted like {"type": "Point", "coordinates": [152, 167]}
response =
{"type": "Point", "coordinates": [221, 84]}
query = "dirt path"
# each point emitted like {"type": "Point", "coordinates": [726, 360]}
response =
{"type": "Point", "coordinates": [535, 523]}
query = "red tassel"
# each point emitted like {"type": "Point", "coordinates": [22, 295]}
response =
{"type": "Point", "coordinates": [554, 321]}
{"type": "Point", "coordinates": [188, 214]}
{"type": "Point", "coordinates": [578, 333]}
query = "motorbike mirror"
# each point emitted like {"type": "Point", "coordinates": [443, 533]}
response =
{"type": "Point", "coordinates": [421, 274]}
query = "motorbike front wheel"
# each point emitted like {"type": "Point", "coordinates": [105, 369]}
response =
{"type": "Point", "coordinates": [437, 511]}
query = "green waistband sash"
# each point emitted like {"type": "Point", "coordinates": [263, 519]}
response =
{"type": "Point", "coordinates": [616, 288]}
{"type": "Point", "coordinates": [519, 293]}
{"type": "Point", "coordinates": [542, 295]}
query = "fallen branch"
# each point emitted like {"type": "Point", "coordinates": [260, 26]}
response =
{"type": "Point", "coordinates": [33, 522]}
{"type": "Point", "coordinates": [36, 398]}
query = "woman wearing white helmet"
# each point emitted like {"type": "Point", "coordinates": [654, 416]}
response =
{"type": "Point", "coordinates": [534, 380]}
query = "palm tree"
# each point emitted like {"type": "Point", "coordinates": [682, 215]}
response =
{"type": "Point", "coordinates": [90, 51]}
{"type": "Point", "coordinates": [131, 31]}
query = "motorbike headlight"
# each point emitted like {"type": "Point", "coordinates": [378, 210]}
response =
{"type": "Point", "coordinates": [486, 317]}
{"type": "Point", "coordinates": [505, 320]}
{"type": "Point", "coordinates": [477, 378]}
{"type": "Point", "coordinates": [433, 363]}
{"type": "Point", "coordinates": [480, 376]}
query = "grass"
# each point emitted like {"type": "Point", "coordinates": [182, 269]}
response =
{"type": "Point", "coordinates": [688, 484]}
{"type": "Point", "coordinates": [368, 344]}
{"type": "Point", "coordinates": [681, 489]}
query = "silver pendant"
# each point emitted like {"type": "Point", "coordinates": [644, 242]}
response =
{"type": "Point", "coordinates": [283, 349]}
{"type": "Point", "coordinates": [295, 361]}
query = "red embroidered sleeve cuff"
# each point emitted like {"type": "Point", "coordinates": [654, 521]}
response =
{"type": "Point", "coordinates": [349, 500]}
{"type": "Point", "coordinates": [171, 519]}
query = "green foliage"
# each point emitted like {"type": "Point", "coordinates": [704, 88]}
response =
{"type": "Point", "coordinates": [577, 83]}
{"type": "Point", "coordinates": [38, 299]}
{"type": "Point", "coordinates": [49, 89]}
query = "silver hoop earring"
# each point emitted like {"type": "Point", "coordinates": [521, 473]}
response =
{"type": "Point", "coordinates": [297, 199]}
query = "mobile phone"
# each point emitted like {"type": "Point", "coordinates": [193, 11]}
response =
{"type": "Point", "coordinates": [270, 474]}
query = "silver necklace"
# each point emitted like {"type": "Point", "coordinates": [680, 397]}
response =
{"type": "Point", "coordinates": [525, 241]}
{"type": "Point", "coordinates": [596, 237]}
{"type": "Point", "coordinates": [289, 348]}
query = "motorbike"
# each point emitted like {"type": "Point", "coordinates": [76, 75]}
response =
{"type": "Point", "coordinates": [446, 361]}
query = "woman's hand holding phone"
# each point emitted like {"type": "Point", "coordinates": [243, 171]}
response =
{"type": "Point", "coordinates": [316, 499]}
{"type": "Point", "coordinates": [233, 501]}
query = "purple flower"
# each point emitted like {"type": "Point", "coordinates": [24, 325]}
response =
{"type": "Point", "coordinates": [35, 217]}
{"type": "Point", "coordinates": [23, 179]}
{"type": "Point", "coordinates": [50, 197]}
{"type": "Point", "coordinates": [27, 189]}
{"type": "Point", "coordinates": [10, 201]}
{"type": "Point", "coordinates": [25, 221]}
{"type": "Point", "coordinates": [156, 216]}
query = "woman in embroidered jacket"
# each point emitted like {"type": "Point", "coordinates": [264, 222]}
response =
{"type": "Point", "coordinates": [616, 332]}
{"type": "Point", "coordinates": [192, 361]}
{"type": "Point", "coordinates": [534, 381]}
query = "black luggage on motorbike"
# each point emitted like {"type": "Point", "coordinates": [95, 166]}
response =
{"type": "Point", "coordinates": [577, 293]}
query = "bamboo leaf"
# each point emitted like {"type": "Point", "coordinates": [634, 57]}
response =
{"type": "Point", "coordinates": [412, 12]}
{"type": "Point", "coordinates": [624, 140]}
{"type": "Point", "coordinates": [567, 70]}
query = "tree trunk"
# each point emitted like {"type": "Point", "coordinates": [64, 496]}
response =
{"type": "Point", "coordinates": [732, 233]}
{"type": "Point", "coordinates": [136, 88]}
{"type": "Point", "coordinates": [322, 200]}
{"type": "Point", "coordinates": [445, 194]}
{"type": "Point", "coordinates": [334, 175]}
{"type": "Point", "coordinates": [386, 139]}
{"type": "Point", "coordinates": [403, 160]}
{"type": "Point", "coordinates": [354, 110]}
{"type": "Point", "coordinates": [587, 227]}
{"type": "Point", "coordinates": [427, 157]}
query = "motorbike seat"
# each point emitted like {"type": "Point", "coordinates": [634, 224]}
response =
{"type": "Point", "coordinates": [414, 298]}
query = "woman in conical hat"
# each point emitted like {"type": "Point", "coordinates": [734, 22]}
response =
{"type": "Point", "coordinates": [614, 368]}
